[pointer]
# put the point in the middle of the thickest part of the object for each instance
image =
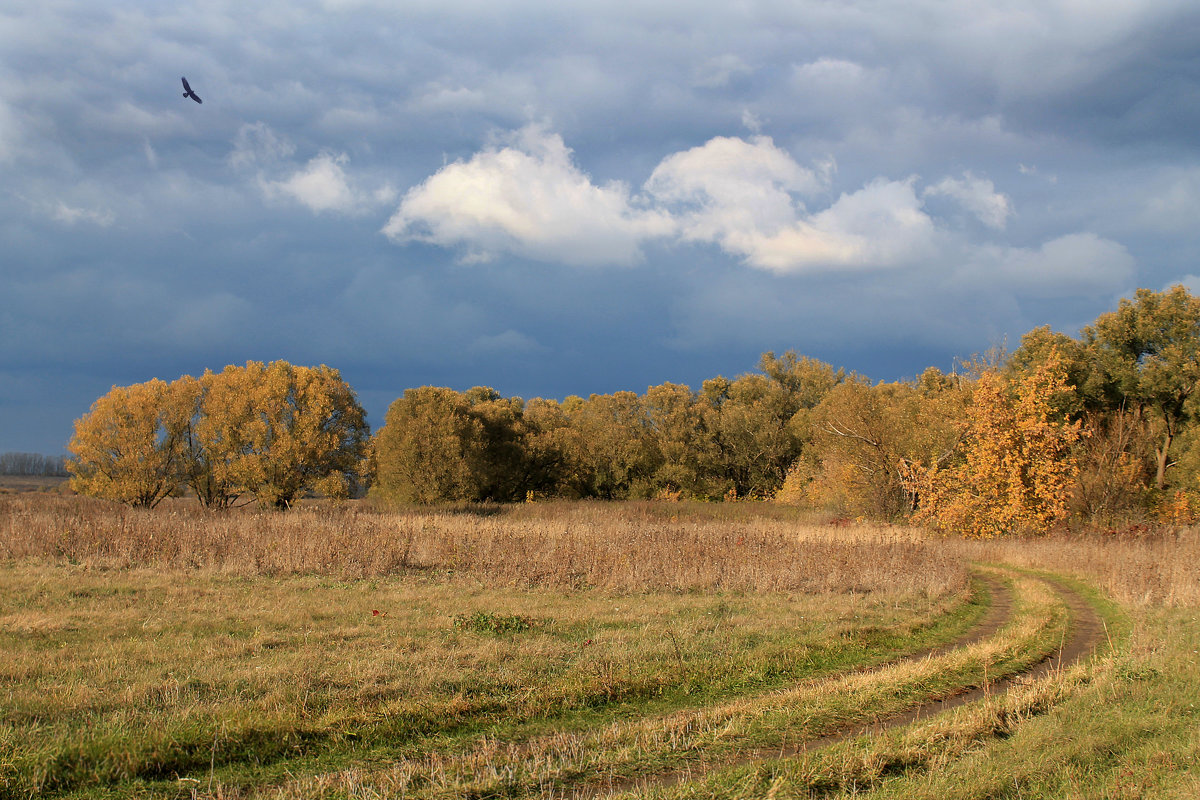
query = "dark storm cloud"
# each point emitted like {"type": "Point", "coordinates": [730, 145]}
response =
{"type": "Point", "coordinates": [556, 198]}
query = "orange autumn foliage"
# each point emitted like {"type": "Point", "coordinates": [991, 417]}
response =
{"type": "Point", "coordinates": [1017, 466]}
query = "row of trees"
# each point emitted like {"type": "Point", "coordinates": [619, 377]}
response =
{"type": "Point", "coordinates": [32, 464]}
{"type": "Point", "coordinates": [733, 438]}
{"type": "Point", "coordinates": [269, 431]}
{"type": "Point", "coordinates": [1102, 425]}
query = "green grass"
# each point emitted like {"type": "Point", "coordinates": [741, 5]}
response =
{"type": "Point", "coordinates": [1127, 727]}
{"type": "Point", "coordinates": [695, 739]}
{"type": "Point", "coordinates": [549, 650]}
{"type": "Point", "coordinates": [1131, 729]}
{"type": "Point", "coordinates": [125, 682]}
{"type": "Point", "coordinates": [1124, 725]}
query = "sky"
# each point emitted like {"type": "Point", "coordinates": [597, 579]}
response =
{"type": "Point", "coordinates": [571, 198]}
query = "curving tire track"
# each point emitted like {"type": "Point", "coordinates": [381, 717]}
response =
{"type": "Point", "coordinates": [1083, 636]}
{"type": "Point", "coordinates": [1084, 631]}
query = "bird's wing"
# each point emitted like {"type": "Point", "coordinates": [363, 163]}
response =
{"type": "Point", "coordinates": [196, 97]}
{"type": "Point", "coordinates": [186, 88]}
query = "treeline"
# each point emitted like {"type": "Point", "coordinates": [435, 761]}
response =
{"type": "Point", "coordinates": [32, 464]}
{"type": "Point", "coordinates": [797, 430]}
{"type": "Point", "coordinates": [1099, 427]}
{"type": "Point", "coordinates": [273, 432]}
{"type": "Point", "coordinates": [732, 438]}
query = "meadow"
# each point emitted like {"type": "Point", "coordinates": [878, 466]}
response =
{"type": "Point", "coordinates": [586, 650]}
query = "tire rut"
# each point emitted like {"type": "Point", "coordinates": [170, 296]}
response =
{"type": "Point", "coordinates": [1084, 631]}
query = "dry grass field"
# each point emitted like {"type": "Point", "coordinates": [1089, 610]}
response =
{"type": "Point", "coordinates": [11, 484]}
{"type": "Point", "coordinates": [562, 545]}
{"type": "Point", "coordinates": [584, 649]}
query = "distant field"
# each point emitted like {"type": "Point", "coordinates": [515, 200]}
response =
{"type": "Point", "coordinates": [582, 650]}
{"type": "Point", "coordinates": [32, 483]}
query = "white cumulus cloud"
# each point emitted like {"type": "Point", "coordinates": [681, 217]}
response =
{"type": "Point", "coordinates": [728, 172]}
{"type": "Point", "coordinates": [321, 185]}
{"type": "Point", "coordinates": [976, 195]}
{"type": "Point", "coordinates": [882, 224]}
{"type": "Point", "coordinates": [745, 196]}
{"type": "Point", "coordinates": [527, 198]}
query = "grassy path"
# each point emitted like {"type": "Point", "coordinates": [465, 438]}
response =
{"type": "Point", "coordinates": [1025, 630]}
{"type": "Point", "coordinates": [1000, 612]}
{"type": "Point", "coordinates": [1031, 627]}
{"type": "Point", "coordinates": [1079, 642]}
{"type": "Point", "coordinates": [134, 684]}
{"type": "Point", "coordinates": [577, 650]}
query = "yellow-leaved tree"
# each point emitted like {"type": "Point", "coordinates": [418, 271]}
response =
{"type": "Point", "coordinates": [1017, 467]}
{"type": "Point", "coordinates": [276, 431]}
{"type": "Point", "coordinates": [131, 445]}
{"type": "Point", "coordinates": [428, 449]}
{"type": "Point", "coordinates": [272, 431]}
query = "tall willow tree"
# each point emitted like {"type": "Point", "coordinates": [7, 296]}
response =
{"type": "Point", "coordinates": [761, 422]}
{"type": "Point", "coordinates": [866, 439]}
{"type": "Point", "coordinates": [131, 445]}
{"type": "Point", "coordinates": [428, 448]}
{"type": "Point", "coordinates": [274, 431]}
{"type": "Point", "coordinates": [1147, 359]}
{"type": "Point", "coordinates": [683, 430]}
{"type": "Point", "coordinates": [277, 431]}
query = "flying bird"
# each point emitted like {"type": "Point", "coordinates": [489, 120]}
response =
{"type": "Point", "coordinates": [187, 92]}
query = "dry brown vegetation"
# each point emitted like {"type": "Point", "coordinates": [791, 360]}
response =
{"type": "Point", "coordinates": [13, 484]}
{"type": "Point", "coordinates": [1140, 566]}
{"type": "Point", "coordinates": [150, 642]}
{"type": "Point", "coordinates": [611, 546]}
{"type": "Point", "coordinates": [608, 546]}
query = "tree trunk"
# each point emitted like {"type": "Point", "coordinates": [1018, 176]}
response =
{"type": "Point", "coordinates": [1161, 454]}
